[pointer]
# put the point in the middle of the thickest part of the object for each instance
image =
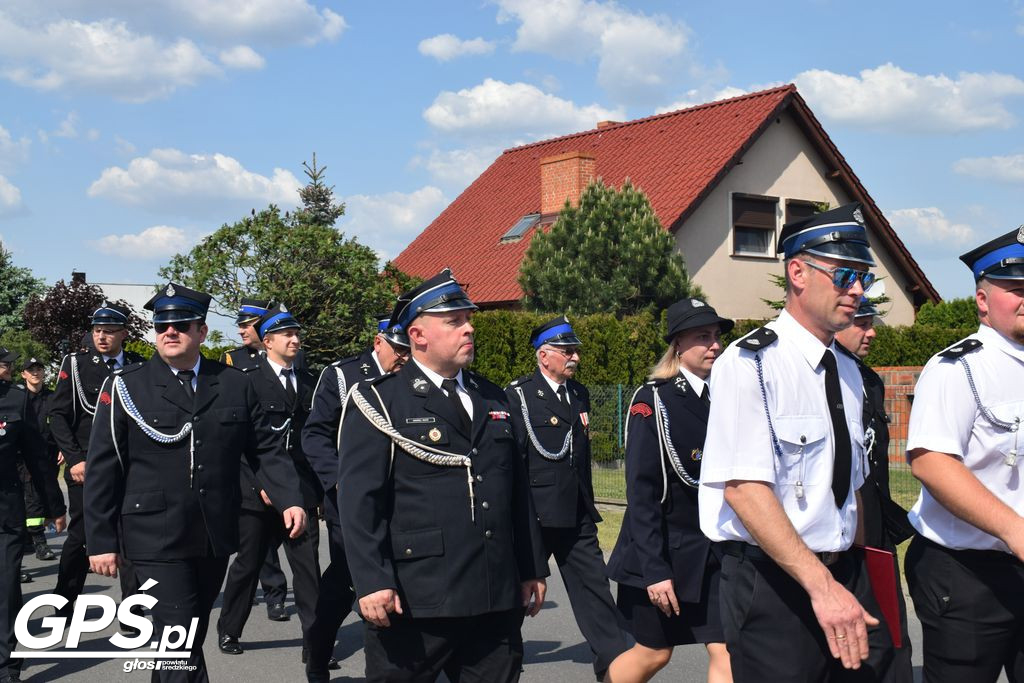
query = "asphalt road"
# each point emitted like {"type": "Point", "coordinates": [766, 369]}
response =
{"type": "Point", "coordinates": [555, 651]}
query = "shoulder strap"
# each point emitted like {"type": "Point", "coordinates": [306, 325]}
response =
{"type": "Point", "coordinates": [962, 347]}
{"type": "Point", "coordinates": [758, 339]}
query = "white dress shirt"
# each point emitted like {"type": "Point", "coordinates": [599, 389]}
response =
{"type": "Point", "coordinates": [696, 382]}
{"type": "Point", "coordinates": [554, 386]}
{"type": "Point", "coordinates": [118, 359]}
{"type": "Point", "coordinates": [278, 368]}
{"type": "Point", "coordinates": [460, 388]}
{"type": "Point", "coordinates": [739, 444]}
{"type": "Point", "coordinates": [945, 418]}
{"type": "Point", "coordinates": [195, 372]}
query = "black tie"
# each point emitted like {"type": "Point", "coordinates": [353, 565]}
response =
{"type": "Point", "coordinates": [705, 396]}
{"type": "Point", "coordinates": [452, 388]}
{"type": "Point", "coordinates": [563, 395]}
{"type": "Point", "coordinates": [288, 388]}
{"type": "Point", "coordinates": [185, 377]}
{"type": "Point", "coordinates": [841, 433]}
{"type": "Point", "coordinates": [112, 364]}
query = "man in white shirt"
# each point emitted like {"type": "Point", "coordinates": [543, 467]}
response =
{"type": "Point", "coordinates": [782, 462]}
{"type": "Point", "coordinates": [964, 566]}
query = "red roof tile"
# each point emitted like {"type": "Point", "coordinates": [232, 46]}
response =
{"type": "Point", "coordinates": [675, 158]}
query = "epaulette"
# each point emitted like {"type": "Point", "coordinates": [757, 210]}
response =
{"type": "Point", "coordinates": [518, 380]}
{"type": "Point", "coordinates": [758, 339]}
{"type": "Point", "coordinates": [378, 379]}
{"type": "Point", "coordinates": [125, 369]}
{"type": "Point", "coordinates": [346, 360]}
{"type": "Point", "coordinates": [964, 346]}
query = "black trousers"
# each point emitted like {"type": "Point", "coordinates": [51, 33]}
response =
{"type": "Point", "coordinates": [334, 603]}
{"type": "Point", "coordinates": [971, 607]}
{"type": "Point", "coordinates": [772, 633]}
{"type": "Point", "coordinates": [256, 531]}
{"type": "Point", "coordinates": [582, 567]}
{"type": "Point", "coordinates": [272, 578]}
{"type": "Point", "coordinates": [11, 549]}
{"type": "Point", "coordinates": [74, 556]}
{"type": "Point", "coordinates": [186, 589]}
{"type": "Point", "coordinates": [487, 648]}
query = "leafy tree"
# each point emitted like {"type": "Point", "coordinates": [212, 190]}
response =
{"type": "Point", "coordinates": [22, 343]}
{"type": "Point", "coordinates": [333, 285]}
{"type": "Point", "coordinates": [955, 313]}
{"type": "Point", "coordinates": [17, 285]}
{"type": "Point", "coordinates": [609, 255]}
{"type": "Point", "coordinates": [60, 317]}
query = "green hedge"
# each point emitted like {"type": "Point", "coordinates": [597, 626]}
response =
{"type": "Point", "coordinates": [146, 350]}
{"type": "Point", "coordinates": [913, 344]}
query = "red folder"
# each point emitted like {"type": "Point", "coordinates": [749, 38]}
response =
{"type": "Point", "coordinates": [884, 584]}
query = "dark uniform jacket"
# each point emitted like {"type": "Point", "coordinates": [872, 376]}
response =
{"type": "Point", "coordinates": [70, 422]}
{"type": "Point", "coordinates": [245, 358]}
{"type": "Point", "coordinates": [20, 440]}
{"type": "Point", "coordinates": [563, 489]}
{"type": "Point", "coordinates": [40, 401]}
{"type": "Point", "coordinates": [279, 409]}
{"type": "Point", "coordinates": [406, 522]}
{"type": "Point", "coordinates": [662, 540]}
{"type": "Point", "coordinates": [147, 489]}
{"type": "Point", "coordinates": [320, 434]}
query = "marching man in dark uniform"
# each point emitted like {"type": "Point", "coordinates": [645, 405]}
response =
{"type": "Point", "coordinates": [248, 354]}
{"type": "Point", "coordinates": [389, 352]}
{"type": "Point", "coordinates": [20, 440]}
{"type": "Point", "coordinates": [550, 416]}
{"type": "Point", "coordinates": [285, 394]}
{"type": "Point", "coordinates": [782, 463]}
{"type": "Point", "coordinates": [884, 521]}
{"type": "Point", "coordinates": [72, 406]}
{"type": "Point", "coordinates": [668, 576]}
{"type": "Point", "coordinates": [964, 566]}
{"type": "Point", "coordinates": [163, 470]}
{"type": "Point", "coordinates": [439, 529]}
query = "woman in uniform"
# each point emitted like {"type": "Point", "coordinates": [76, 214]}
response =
{"type": "Point", "coordinates": [666, 571]}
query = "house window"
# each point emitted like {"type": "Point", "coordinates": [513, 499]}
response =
{"type": "Point", "coordinates": [753, 225]}
{"type": "Point", "coordinates": [516, 232]}
{"type": "Point", "coordinates": [799, 208]}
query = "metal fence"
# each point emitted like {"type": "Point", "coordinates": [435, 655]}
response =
{"type": "Point", "coordinates": [609, 405]}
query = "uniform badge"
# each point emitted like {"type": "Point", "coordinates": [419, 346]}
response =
{"type": "Point", "coordinates": [283, 309]}
{"type": "Point", "coordinates": [697, 303]}
{"type": "Point", "coordinates": [540, 393]}
{"type": "Point", "coordinates": [105, 398]}
{"type": "Point", "coordinates": [420, 420]}
{"type": "Point", "coordinates": [472, 383]}
{"type": "Point", "coordinates": [169, 291]}
{"type": "Point", "coordinates": [96, 359]}
{"type": "Point", "coordinates": [1020, 235]}
{"type": "Point", "coordinates": [585, 419]}
{"type": "Point", "coordinates": [62, 375]}
{"type": "Point", "coordinates": [419, 385]}
{"type": "Point", "coordinates": [641, 409]}
{"type": "Point", "coordinates": [499, 415]}
{"type": "Point", "coordinates": [434, 435]}
{"type": "Point", "coordinates": [858, 216]}
{"type": "Point", "coordinates": [554, 420]}
{"type": "Point", "coordinates": [696, 454]}
{"type": "Point", "coordinates": [3, 428]}
{"type": "Point", "coordinates": [365, 367]}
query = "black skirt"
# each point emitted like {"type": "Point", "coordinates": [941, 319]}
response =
{"type": "Point", "coordinates": [698, 622]}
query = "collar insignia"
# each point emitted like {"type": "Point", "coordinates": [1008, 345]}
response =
{"type": "Point", "coordinates": [540, 393]}
{"type": "Point", "coordinates": [472, 383]}
{"type": "Point", "coordinates": [96, 359]}
{"type": "Point", "coordinates": [419, 385]}
{"type": "Point", "coordinates": [365, 367]}
{"type": "Point", "coordinates": [169, 291]}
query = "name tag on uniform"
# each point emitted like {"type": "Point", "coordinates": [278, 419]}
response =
{"type": "Point", "coordinates": [420, 420]}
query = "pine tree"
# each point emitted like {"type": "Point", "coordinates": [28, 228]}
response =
{"type": "Point", "coordinates": [318, 207]}
{"type": "Point", "coordinates": [608, 255]}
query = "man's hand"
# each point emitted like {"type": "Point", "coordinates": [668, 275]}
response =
{"type": "Point", "coordinates": [535, 589]}
{"type": "Point", "coordinates": [265, 497]}
{"type": "Point", "coordinates": [295, 520]}
{"type": "Point", "coordinates": [78, 473]}
{"type": "Point", "coordinates": [844, 622]}
{"type": "Point", "coordinates": [105, 564]}
{"type": "Point", "coordinates": [60, 458]}
{"type": "Point", "coordinates": [376, 607]}
{"type": "Point", "coordinates": [663, 596]}
{"type": "Point", "coordinates": [59, 523]}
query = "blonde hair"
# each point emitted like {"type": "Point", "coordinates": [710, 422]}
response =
{"type": "Point", "coordinates": [668, 365]}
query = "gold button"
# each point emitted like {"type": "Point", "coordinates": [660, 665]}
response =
{"type": "Point", "coordinates": [554, 420]}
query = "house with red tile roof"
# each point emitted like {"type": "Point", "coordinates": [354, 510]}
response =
{"type": "Point", "coordinates": [722, 177]}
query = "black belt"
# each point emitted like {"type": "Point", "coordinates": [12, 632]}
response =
{"type": "Point", "coordinates": [972, 553]}
{"type": "Point", "coordinates": [752, 552]}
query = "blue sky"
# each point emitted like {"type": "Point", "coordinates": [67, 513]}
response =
{"type": "Point", "coordinates": [128, 130]}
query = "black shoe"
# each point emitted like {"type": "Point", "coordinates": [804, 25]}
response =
{"type": "Point", "coordinates": [43, 552]}
{"type": "Point", "coordinates": [25, 577]}
{"type": "Point", "coordinates": [229, 645]}
{"type": "Point", "coordinates": [333, 664]}
{"type": "Point", "coordinates": [277, 612]}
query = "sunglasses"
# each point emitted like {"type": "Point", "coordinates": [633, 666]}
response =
{"type": "Point", "coordinates": [568, 353]}
{"type": "Point", "coordinates": [181, 326]}
{"type": "Point", "coordinates": [843, 277]}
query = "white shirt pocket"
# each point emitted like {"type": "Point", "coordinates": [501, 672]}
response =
{"type": "Point", "coordinates": [802, 441]}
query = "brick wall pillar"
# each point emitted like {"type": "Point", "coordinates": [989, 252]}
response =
{"type": "Point", "coordinates": [899, 386]}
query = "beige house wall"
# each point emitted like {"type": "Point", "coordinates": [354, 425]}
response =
{"type": "Point", "coordinates": [783, 164]}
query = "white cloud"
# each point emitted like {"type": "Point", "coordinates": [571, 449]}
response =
{"type": "Point", "coordinates": [388, 222]}
{"type": "Point", "coordinates": [496, 107]}
{"type": "Point", "coordinates": [242, 57]}
{"type": "Point", "coordinates": [12, 152]}
{"type": "Point", "coordinates": [638, 55]}
{"type": "Point", "coordinates": [159, 241]}
{"type": "Point", "coordinates": [930, 225]}
{"type": "Point", "coordinates": [457, 168]}
{"type": "Point", "coordinates": [890, 98]}
{"type": "Point", "coordinates": [193, 184]}
{"type": "Point", "coordinates": [124, 147]}
{"type": "Point", "coordinates": [699, 96]}
{"type": "Point", "coordinates": [68, 128]}
{"type": "Point", "coordinates": [445, 47]}
{"type": "Point", "coordinates": [10, 197]}
{"type": "Point", "coordinates": [98, 57]}
{"type": "Point", "coordinates": [1007, 169]}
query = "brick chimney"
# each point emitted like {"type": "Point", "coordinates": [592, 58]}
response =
{"type": "Point", "coordinates": [563, 177]}
{"type": "Point", "coordinates": [607, 124]}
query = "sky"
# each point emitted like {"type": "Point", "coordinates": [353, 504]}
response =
{"type": "Point", "coordinates": [129, 130]}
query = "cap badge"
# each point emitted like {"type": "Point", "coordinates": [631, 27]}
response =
{"type": "Point", "coordinates": [1020, 235]}
{"type": "Point", "coordinates": [858, 216]}
{"type": "Point", "coordinates": [169, 291]}
{"type": "Point", "coordinates": [434, 434]}
{"type": "Point", "coordinates": [697, 303]}
{"type": "Point", "coordinates": [696, 454]}
{"type": "Point", "coordinates": [283, 309]}
{"type": "Point", "coordinates": [105, 304]}
{"type": "Point", "coordinates": [554, 421]}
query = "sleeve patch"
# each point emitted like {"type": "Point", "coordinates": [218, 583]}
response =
{"type": "Point", "coordinates": [105, 398]}
{"type": "Point", "coordinates": [62, 375]}
{"type": "Point", "coordinates": [641, 409]}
